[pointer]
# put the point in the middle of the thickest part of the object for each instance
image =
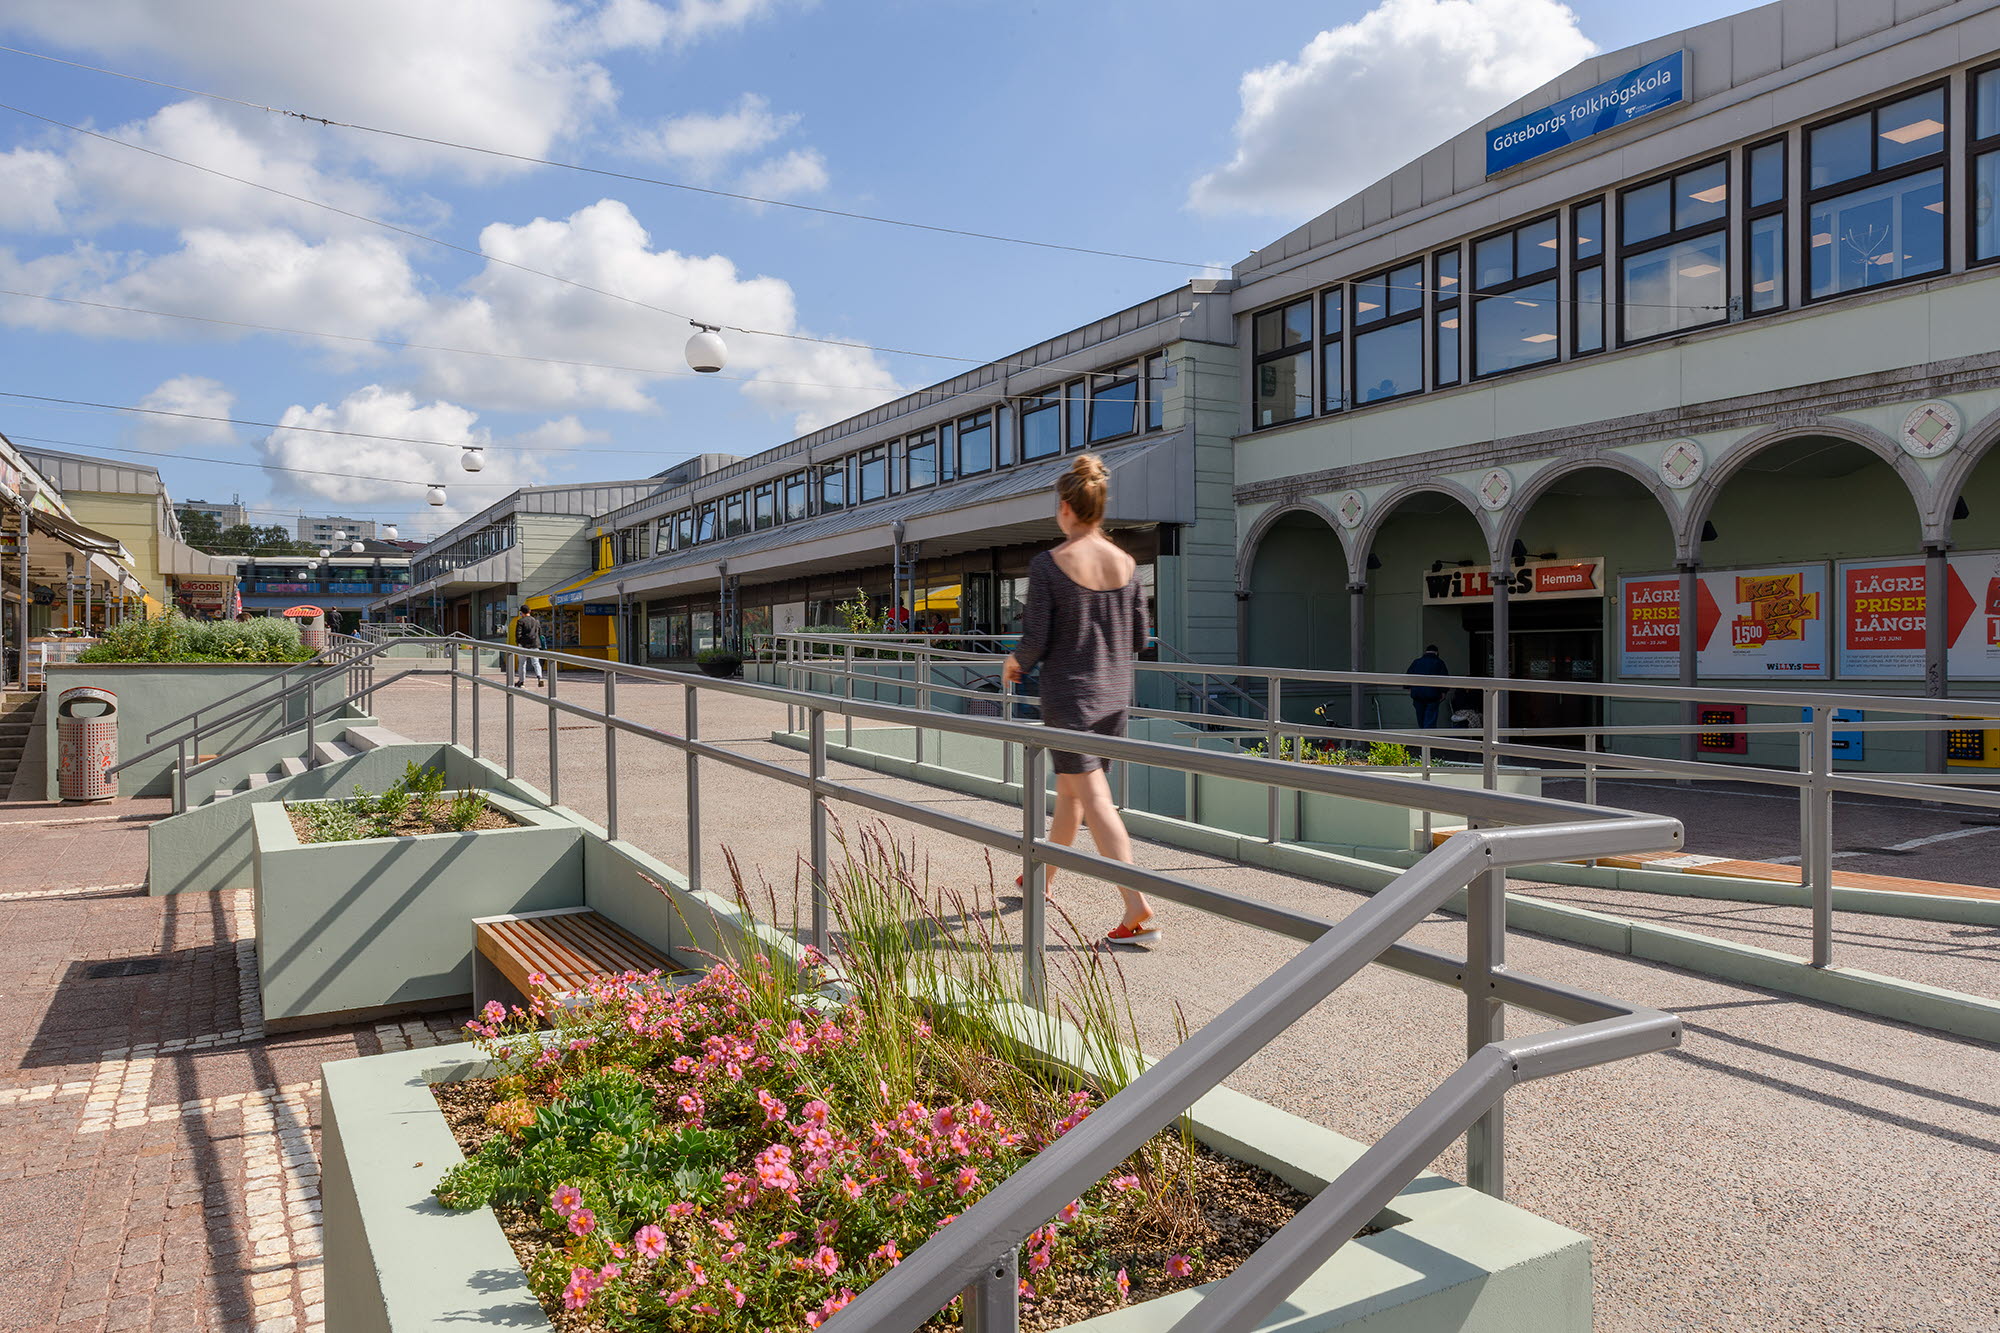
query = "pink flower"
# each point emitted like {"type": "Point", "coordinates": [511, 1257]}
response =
{"type": "Point", "coordinates": [1124, 1283]}
{"type": "Point", "coordinates": [825, 1261]}
{"type": "Point", "coordinates": [814, 1112]}
{"type": "Point", "coordinates": [537, 980]}
{"type": "Point", "coordinates": [582, 1222]}
{"type": "Point", "coordinates": [650, 1241]}
{"type": "Point", "coordinates": [494, 1012]}
{"type": "Point", "coordinates": [1070, 1211]}
{"type": "Point", "coordinates": [726, 1230]}
{"type": "Point", "coordinates": [967, 1180]}
{"type": "Point", "coordinates": [1123, 1183]}
{"type": "Point", "coordinates": [826, 1230]}
{"type": "Point", "coordinates": [888, 1252]}
{"type": "Point", "coordinates": [784, 1238]}
{"type": "Point", "coordinates": [1180, 1265]}
{"type": "Point", "coordinates": [566, 1200]}
{"type": "Point", "coordinates": [679, 1209]}
{"type": "Point", "coordinates": [851, 1188]}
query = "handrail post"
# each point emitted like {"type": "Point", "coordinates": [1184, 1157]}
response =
{"type": "Point", "coordinates": [1821, 839]}
{"type": "Point", "coordinates": [610, 754]}
{"type": "Point", "coordinates": [920, 659]}
{"type": "Point", "coordinates": [1485, 1021]}
{"type": "Point", "coordinates": [1034, 890]}
{"type": "Point", "coordinates": [847, 720]}
{"type": "Point", "coordinates": [312, 724]}
{"type": "Point", "coordinates": [473, 688]}
{"type": "Point", "coordinates": [180, 780]}
{"type": "Point", "coordinates": [1489, 737]}
{"type": "Point", "coordinates": [555, 736]}
{"type": "Point", "coordinates": [992, 1304]}
{"type": "Point", "coordinates": [1589, 768]}
{"type": "Point", "coordinates": [454, 692]}
{"type": "Point", "coordinates": [1006, 747]}
{"type": "Point", "coordinates": [691, 728]}
{"type": "Point", "coordinates": [821, 860]}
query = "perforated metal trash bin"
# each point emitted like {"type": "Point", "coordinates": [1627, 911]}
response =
{"type": "Point", "coordinates": [86, 744]}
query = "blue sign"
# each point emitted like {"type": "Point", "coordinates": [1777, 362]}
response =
{"type": "Point", "coordinates": [567, 598]}
{"type": "Point", "coordinates": [1846, 744]}
{"type": "Point", "coordinates": [600, 608]}
{"type": "Point", "coordinates": [1650, 87]}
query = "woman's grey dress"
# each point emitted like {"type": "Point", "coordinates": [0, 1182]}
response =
{"type": "Point", "coordinates": [1085, 640]}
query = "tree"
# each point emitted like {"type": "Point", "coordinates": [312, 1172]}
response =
{"type": "Point", "coordinates": [199, 528]}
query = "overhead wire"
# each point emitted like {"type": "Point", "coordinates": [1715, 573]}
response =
{"type": "Point", "coordinates": [263, 466]}
{"type": "Point", "coordinates": [633, 177]}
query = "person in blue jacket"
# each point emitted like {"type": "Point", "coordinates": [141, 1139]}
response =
{"type": "Point", "coordinates": [1427, 698]}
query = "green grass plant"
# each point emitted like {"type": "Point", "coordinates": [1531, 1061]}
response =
{"type": "Point", "coordinates": [173, 637]}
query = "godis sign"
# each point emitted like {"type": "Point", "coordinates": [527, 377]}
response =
{"type": "Point", "coordinates": [1530, 582]}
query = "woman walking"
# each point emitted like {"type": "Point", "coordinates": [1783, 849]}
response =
{"type": "Point", "coordinates": [1085, 622]}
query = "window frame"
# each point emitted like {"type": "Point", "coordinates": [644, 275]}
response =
{"type": "Point", "coordinates": [1154, 399]}
{"type": "Point", "coordinates": [976, 421]}
{"type": "Point", "coordinates": [735, 514]}
{"type": "Point", "coordinates": [798, 480]}
{"type": "Point", "coordinates": [1582, 264]}
{"type": "Point", "coordinates": [862, 460]}
{"type": "Point", "coordinates": [1754, 212]}
{"type": "Point", "coordinates": [1939, 161]}
{"type": "Point", "coordinates": [1335, 299]}
{"type": "Point", "coordinates": [1259, 356]}
{"type": "Point", "coordinates": [1034, 405]}
{"type": "Point", "coordinates": [1442, 305]}
{"type": "Point", "coordinates": [1475, 293]}
{"type": "Point", "coordinates": [1674, 236]}
{"type": "Point", "coordinates": [1356, 330]}
{"type": "Point", "coordinates": [836, 471]}
{"type": "Point", "coordinates": [913, 447]}
{"type": "Point", "coordinates": [1975, 149]}
{"type": "Point", "coordinates": [1111, 381]}
{"type": "Point", "coordinates": [764, 494]}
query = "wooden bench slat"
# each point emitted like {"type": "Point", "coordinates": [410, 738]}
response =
{"type": "Point", "coordinates": [609, 943]}
{"type": "Point", "coordinates": [569, 948]}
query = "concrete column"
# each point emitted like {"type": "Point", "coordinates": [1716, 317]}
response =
{"type": "Point", "coordinates": [1357, 648]}
{"type": "Point", "coordinates": [1503, 576]}
{"type": "Point", "coordinates": [1937, 641]}
{"type": "Point", "coordinates": [1689, 621]}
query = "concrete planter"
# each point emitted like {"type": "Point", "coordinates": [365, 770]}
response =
{"type": "Point", "coordinates": [1448, 1257]}
{"type": "Point", "coordinates": [151, 694]}
{"type": "Point", "coordinates": [348, 929]}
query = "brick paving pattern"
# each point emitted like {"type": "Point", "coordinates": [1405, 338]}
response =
{"type": "Point", "coordinates": [159, 1160]}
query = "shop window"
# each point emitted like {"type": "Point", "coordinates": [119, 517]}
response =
{"type": "Point", "coordinates": [1876, 197]}
{"type": "Point", "coordinates": [1673, 253]}
{"type": "Point", "coordinates": [1332, 350]}
{"type": "Point", "coordinates": [1041, 426]}
{"type": "Point", "coordinates": [920, 461]}
{"type": "Point", "coordinates": [1514, 307]}
{"type": "Point", "coordinates": [1444, 318]}
{"type": "Point", "coordinates": [764, 513]}
{"type": "Point", "coordinates": [1282, 374]}
{"type": "Point", "coordinates": [1586, 239]}
{"type": "Point", "coordinates": [1983, 196]}
{"type": "Point", "coordinates": [1764, 227]}
{"type": "Point", "coordinates": [1114, 404]}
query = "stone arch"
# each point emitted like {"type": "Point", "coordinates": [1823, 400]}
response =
{"type": "Point", "coordinates": [1292, 592]}
{"type": "Point", "coordinates": [1382, 509]}
{"type": "Point", "coordinates": [1708, 489]}
{"type": "Point", "coordinates": [1246, 551]}
{"type": "Point", "coordinates": [1978, 441]}
{"type": "Point", "coordinates": [1544, 481]}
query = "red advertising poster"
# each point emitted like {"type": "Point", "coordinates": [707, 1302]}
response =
{"type": "Point", "coordinates": [1652, 618]}
{"type": "Point", "coordinates": [1883, 606]}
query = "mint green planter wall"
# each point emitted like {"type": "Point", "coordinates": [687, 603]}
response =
{"type": "Point", "coordinates": [359, 926]}
{"type": "Point", "coordinates": [153, 693]}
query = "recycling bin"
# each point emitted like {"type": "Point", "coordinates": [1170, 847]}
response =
{"type": "Point", "coordinates": [86, 744]}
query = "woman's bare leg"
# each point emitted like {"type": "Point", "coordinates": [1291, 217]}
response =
{"type": "Point", "coordinates": [1066, 820]}
{"type": "Point", "coordinates": [1107, 830]}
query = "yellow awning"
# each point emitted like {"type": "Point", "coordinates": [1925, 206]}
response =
{"type": "Point", "coordinates": [544, 601]}
{"type": "Point", "coordinates": [939, 599]}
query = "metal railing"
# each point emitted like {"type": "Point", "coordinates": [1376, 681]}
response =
{"type": "Point", "coordinates": [976, 1255]}
{"type": "Point", "coordinates": [812, 660]}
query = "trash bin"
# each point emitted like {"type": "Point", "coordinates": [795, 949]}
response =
{"type": "Point", "coordinates": [86, 744]}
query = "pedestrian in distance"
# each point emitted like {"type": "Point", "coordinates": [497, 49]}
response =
{"type": "Point", "coordinates": [528, 634]}
{"type": "Point", "coordinates": [1427, 698]}
{"type": "Point", "coordinates": [1085, 624]}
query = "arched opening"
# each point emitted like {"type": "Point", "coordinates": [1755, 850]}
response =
{"type": "Point", "coordinates": [1297, 613]}
{"type": "Point", "coordinates": [1576, 536]}
{"type": "Point", "coordinates": [1432, 567]}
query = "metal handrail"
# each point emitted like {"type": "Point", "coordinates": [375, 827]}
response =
{"type": "Point", "coordinates": [262, 682]}
{"type": "Point", "coordinates": [972, 1254]}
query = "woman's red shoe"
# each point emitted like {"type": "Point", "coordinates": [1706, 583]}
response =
{"type": "Point", "coordinates": [1144, 933]}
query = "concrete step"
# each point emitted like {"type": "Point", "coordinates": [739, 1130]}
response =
{"type": "Point", "coordinates": [332, 752]}
{"type": "Point", "coordinates": [223, 793]}
{"type": "Point", "coordinates": [372, 738]}
{"type": "Point", "coordinates": [256, 780]}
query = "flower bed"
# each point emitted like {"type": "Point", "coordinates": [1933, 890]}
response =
{"type": "Point", "coordinates": [174, 637]}
{"type": "Point", "coordinates": [756, 1147]}
{"type": "Point", "coordinates": [409, 807]}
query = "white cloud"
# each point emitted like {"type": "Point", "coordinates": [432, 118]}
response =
{"type": "Point", "coordinates": [374, 410]}
{"type": "Point", "coordinates": [1364, 98]}
{"type": "Point", "coordinates": [196, 396]}
{"type": "Point", "coordinates": [34, 186]}
{"type": "Point", "coordinates": [504, 310]}
{"type": "Point", "coordinates": [513, 74]}
{"type": "Point", "coordinates": [801, 171]}
{"type": "Point", "coordinates": [706, 142]}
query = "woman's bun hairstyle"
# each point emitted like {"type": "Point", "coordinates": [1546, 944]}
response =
{"type": "Point", "coordinates": [1083, 488]}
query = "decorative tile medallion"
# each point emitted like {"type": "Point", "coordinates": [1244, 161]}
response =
{"type": "Point", "coordinates": [1352, 508]}
{"type": "Point", "coordinates": [1930, 429]}
{"type": "Point", "coordinates": [1681, 465]}
{"type": "Point", "coordinates": [1496, 488]}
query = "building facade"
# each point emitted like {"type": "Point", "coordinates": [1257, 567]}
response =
{"type": "Point", "coordinates": [1683, 368]}
{"type": "Point", "coordinates": [226, 516]}
{"type": "Point", "coordinates": [321, 531]}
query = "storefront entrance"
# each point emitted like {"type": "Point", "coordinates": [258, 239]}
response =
{"type": "Point", "coordinates": [1560, 641]}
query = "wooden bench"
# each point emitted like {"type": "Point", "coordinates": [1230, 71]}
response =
{"type": "Point", "coordinates": [569, 946]}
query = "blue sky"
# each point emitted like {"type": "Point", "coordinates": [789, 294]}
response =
{"type": "Point", "coordinates": [1168, 128]}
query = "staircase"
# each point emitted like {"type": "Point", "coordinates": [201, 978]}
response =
{"type": "Point", "coordinates": [354, 741]}
{"type": "Point", "coordinates": [17, 716]}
